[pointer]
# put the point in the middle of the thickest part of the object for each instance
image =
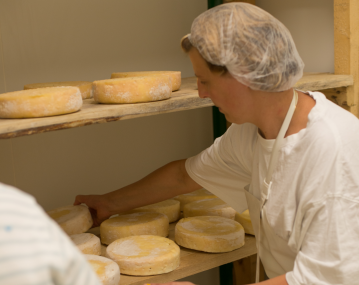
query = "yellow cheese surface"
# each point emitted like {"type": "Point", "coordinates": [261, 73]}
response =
{"type": "Point", "coordinates": [132, 89]}
{"type": "Point", "coordinates": [87, 243]}
{"type": "Point", "coordinates": [106, 269]}
{"type": "Point", "coordinates": [209, 207]}
{"type": "Point", "coordinates": [197, 195]}
{"type": "Point", "coordinates": [209, 234]}
{"type": "Point", "coordinates": [145, 255]}
{"type": "Point", "coordinates": [72, 219]}
{"type": "Point", "coordinates": [42, 102]}
{"type": "Point", "coordinates": [245, 220]}
{"type": "Point", "coordinates": [84, 86]}
{"type": "Point", "coordinates": [141, 223]}
{"type": "Point", "coordinates": [170, 207]}
{"type": "Point", "coordinates": [174, 75]}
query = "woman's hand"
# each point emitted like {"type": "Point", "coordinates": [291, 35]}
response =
{"type": "Point", "coordinates": [98, 205]}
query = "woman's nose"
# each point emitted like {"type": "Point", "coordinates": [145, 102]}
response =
{"type": "Point", "coordinates": [202, 92]}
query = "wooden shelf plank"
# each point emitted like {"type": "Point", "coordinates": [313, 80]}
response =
{"type": "Point", "coordinates": [192, 261]}
{"type": "Point", "coordinates": [184, 99]}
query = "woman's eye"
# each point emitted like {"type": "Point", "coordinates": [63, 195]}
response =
{"type": "Point", "coordinates": [203, 82]}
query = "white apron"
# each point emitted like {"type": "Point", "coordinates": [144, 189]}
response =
{"type": "Point", "coordinates": [272, 250]}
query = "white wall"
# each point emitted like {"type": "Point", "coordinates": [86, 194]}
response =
{"type": "Point", "coordinates": [53, 40]}
{"type": "Point", "coordinates": [311, 24]}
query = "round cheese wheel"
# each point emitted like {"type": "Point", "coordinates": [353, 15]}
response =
{"type": "Point", "coordinates": [72, 219]}
{"type": "Point", "coordinates": [245, 220]}
{"type": "Point", "coordinates": [209, 234]}
{"type": "Point", "coordinates": [171, 208]}
{"type": "Point", "coordinates": [87, 243]}
{"type": "Point", "coordinates": [42, 102]}
{"type": "Point", "coordinates": [209, 207]}
{"type": "Point", "coordinates": [145, 255]}
{"type": "Point", "coordinates": [106, 269]}
{"type": "Point", "coordinates": [84, 86]}
{"type": "Point", "coordinates": [141, 223]}
{"type": "Point", "coordinates": [132, 89]}
{"type": "Point", "coordinates": [197, 195]}
{"type": "Point", "coordinates": [175, 76]}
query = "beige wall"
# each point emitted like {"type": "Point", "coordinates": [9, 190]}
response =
{"type": "Point", "coordinates": [42, 40]}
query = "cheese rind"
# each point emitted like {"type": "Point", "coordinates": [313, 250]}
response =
{"type": "Point", "coordinates": [141, 223]}
{"type": "Point", "coordinates": [174, 75]}
{"type": "Point", "coordinates": [145, 255]}
{"type": "Point", "coordinates": [209, 207]}
{"type": "Point", "coordinates": [106, 269]}
{"type": "Point", "coordinates": [84, 86]}
{"type": "Point", "coordinates": [245, 220]}
{"type": "Point", "coordinates": [170, 207]}
{"type": "Point", "coordinates": [132, 89]}
{"type": "Point", "coordinates": [42, 102]}
{"type": "Point", "coordinates": [87, 243]}
{"type": "Point", "coordinates": [72, 219]}
{"type": "Point", "coordinates": [209, 234]}
{"type": "Point", "coordinates": [197, 195]}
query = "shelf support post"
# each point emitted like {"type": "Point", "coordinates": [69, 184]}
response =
{"type": "Point", "coordinates": [346, 47]}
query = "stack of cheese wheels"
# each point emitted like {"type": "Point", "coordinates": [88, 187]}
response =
{"type": "Point", "coordinates": [84, 86]}
{"type": "Point", "coordinates": [132, 89]}
{"type": "Point", "coordinates": [141, 223]}
{"type": "Point", "coordinates": [209, 207]}
{"type": "Point", "coordinates": [87, 243]}
{"type": "Point", "coordinates": [174, 75]}
{"type": "Point", "coordinates": [145, 255]}
{"type": "Point", "coordinates": [42, 102]}
{"type": "Point", "coordinates": [197, 195]}
{"type": "Point", "coordinates": [106, 269]}
{"type": "Point", "coordinates": [245, 220]}
{"type": "Point", "coordinates": [171, 208]}
{"type": "Point", "coordinates": [209, 234]}
{"type": "Point", "coordinates": [72, 219]}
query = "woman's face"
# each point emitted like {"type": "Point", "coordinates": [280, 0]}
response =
{"type": "Point", "coordinates": [230, 96]}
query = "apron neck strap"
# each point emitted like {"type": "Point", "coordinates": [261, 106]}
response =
{"type": "Point", "coordinates": [279, 141]}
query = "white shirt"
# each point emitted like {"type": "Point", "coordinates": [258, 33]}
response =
{"type": "Point", "coordinates": [33, 248]}
{"type": "Point", "coordinates": [314, 202]}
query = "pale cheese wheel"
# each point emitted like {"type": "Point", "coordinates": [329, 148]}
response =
{"type": "Point", "coordinates": [132, 89]}
{"type": "Point", "coordinates": [209, 207]}
{"type": "Point", "coordinates": [145, 255]}
{"type": "Point", "coordinates": [209, 234]}
{"type": "Point", "coordinates": [141, 223]}
{"type": "Point", "coordinates": [197, 195]}
{"type": "Point", "coordinates": [72, 219]}
{"type": "Point", "coordinates": [87, 243]}
{"type": "Point", "coordinates": [170, 207]}
{"type": "Point", "coordinates": [84, 86]}
{"type": "Point", "coordinates": [175, 76]}
{"type": "Point", "coordinates": [42, 102]}
{"type": "Point", "coordinates": [245, 220]}
{"type": "Point", "coordinates": [106, 269]}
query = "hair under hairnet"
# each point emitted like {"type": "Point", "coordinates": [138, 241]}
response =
{"type": "Point", "coordinates": [255, 47]}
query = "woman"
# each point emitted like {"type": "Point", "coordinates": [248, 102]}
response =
{"type": "Point", "coordinates": [292, 154]}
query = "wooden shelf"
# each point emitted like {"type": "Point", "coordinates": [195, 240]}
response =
{"type": "Point", "coordinates": [192, 261]}
{"type": "Point", "coordinates": [184, 99]}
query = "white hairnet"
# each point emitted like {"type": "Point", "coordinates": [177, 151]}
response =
{"type": "Point", "coordinates": [255, 47]}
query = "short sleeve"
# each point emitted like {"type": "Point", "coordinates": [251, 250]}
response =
{"type": "Point", "coordinates": [329, 252]}
{"type": "Point", "coordinates": [225, 167]}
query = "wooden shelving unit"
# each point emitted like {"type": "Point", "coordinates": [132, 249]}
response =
{"type": "Point", "coordinates": [192, 261]}
{"type": "Point", "coordinates": [184, 99]}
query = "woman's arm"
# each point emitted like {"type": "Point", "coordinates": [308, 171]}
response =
{"type": "Point", "coordinates": [164, 183]}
